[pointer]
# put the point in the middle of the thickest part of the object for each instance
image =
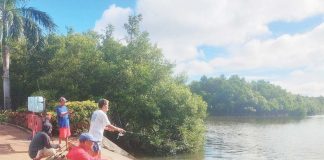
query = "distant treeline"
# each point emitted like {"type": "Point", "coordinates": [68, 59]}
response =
{"type": "Point", "coordinates": [236, 96]}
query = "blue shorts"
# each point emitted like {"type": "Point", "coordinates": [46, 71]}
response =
{"type": "Point", "coordinates": [96, 146]}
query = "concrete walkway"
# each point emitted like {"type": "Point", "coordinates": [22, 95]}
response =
{"type": "Point", "coordinates": [14, 144]}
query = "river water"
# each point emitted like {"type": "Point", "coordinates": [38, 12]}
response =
{"type": "Point", "coordinates": [244, 138]}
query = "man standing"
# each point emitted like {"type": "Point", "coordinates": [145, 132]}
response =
{"type": "Point", "coordinates": [63, 121]}
{"type": "Point", "coordinates": [99, 122]}
{"type": "Point", "coordinates": [40, 146]}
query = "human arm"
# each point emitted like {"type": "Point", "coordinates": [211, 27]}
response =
{"type": "Point", "coordinates": [62, 111]}
{"type": "Point", "coordinates": [47, 143]}
{"type": "Point", "coordinates": [63, 114]}
{"type": "Point", "coordinates": [113, 128]}
{"type": "Point", "coordinates": [109, 126]}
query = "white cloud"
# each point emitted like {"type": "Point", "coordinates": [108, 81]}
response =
{"type": "Point", "coordinates": [179, 27]}
{"type": "Point", "coordinates": [115, 16]}
{"type": "Point", "coordinates": [195, 68]}
{"type": "Point", "coordinates": [297, 73]}
{"type": "Point", "coordinates": [285, 52]}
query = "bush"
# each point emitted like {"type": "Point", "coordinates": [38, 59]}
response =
{"type": "Point", "coordinates": [168, 121]}
{"type": "Point", "coordinates": [79, 119]}
{"type": "Point", "coordinates": [4, 116]}
{"type": "Point", "coordinates": [18, 118]}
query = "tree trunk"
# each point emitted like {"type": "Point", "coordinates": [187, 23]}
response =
{"type": "Point", "coordinates": [6, 80]}
{"type": "Point", "coordinates": [5, 61]}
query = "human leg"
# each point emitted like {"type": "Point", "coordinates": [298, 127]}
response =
{"type": "Point", "coordinates": [66, 142]}
{"type": "Point", "coordinates": [45, 152]}
{"type": "Point", "coordinates": [64, 134]}
{"type": "Point", "coordinates": [61, 135]}
{"type": "Point", "coordinates": [97, 149]}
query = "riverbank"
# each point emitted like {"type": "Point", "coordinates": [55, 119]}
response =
{"type": "Point", "coordinates": [14, 142]}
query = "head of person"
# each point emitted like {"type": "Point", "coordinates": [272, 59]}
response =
{"type": "Point", "coordinates": [86, 141]}
{"type": "Point", "coordinates": [48, 115]}
{"type": "Point", "coordinates": [103, 104]}
{"type": "Point", "coordinates": [62, 101]}
{"type": "Point", "coordinates": [47, 128]}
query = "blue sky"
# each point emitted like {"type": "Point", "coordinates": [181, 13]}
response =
{"type": "Point", "coordinates": [283, 27]}
{"type": "Point", "coordinates": [78, 14]}
{"type": "Point", "coordinates": [279, 41]}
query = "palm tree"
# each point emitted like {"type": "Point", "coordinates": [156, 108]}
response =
{"type": "Point", "coordinates": [16, 23]}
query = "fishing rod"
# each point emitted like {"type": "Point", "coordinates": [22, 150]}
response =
{"type": "Point", "coordinates": [134, 133]}
{"type": "Point", "coordinates": [120, 134]}
{"type": "Point", "coordinates": [61, 151]}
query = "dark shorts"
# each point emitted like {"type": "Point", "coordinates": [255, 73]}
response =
{"type": "Point", "coordinates": [96, 147]}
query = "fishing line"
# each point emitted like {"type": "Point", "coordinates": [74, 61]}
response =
{"type": "Point", "coordinates": [122, 134]}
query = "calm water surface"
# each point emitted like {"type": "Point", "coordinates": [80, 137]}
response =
{"type": "Point", "coordinates": [229, 138]}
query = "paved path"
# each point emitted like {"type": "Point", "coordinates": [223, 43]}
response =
{"type": "Point", "coordinates": [14, 144]}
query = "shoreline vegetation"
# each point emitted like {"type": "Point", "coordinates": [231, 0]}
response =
{"type": "Point", "coordinates": [166, 113]}
{"type": "Point", "coordinates": [234, 96]}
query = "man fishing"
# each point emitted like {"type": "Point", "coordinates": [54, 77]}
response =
{"type": "Point", "coordinates": [100, 122]}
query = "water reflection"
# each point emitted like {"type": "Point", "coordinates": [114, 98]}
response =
{"type": "Point", "coordinates": [251, 138]}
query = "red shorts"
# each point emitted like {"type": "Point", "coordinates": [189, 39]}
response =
{"type": "Point", "coordinates": [64, 132]}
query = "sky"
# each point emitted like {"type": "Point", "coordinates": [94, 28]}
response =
{"type": "Point", "coordinates": [280, 41]}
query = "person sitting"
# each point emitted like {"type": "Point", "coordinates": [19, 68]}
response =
{"type": "Point", "coordinates": [40, 146]}
{"type": "Point", "coordinates": [84, 150]}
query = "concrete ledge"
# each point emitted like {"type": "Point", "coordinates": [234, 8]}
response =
{"type": "Point", "coordinates": [109, 145]}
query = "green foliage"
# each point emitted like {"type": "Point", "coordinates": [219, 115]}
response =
{"type": "Point", "coordinates": [175, 120]}
{"type": "Point", "coordinates": [4, 116]}
{"type": "Point", "coordinates": [235, 96]}
{"type": "Point", "coordinates": [45, 93]}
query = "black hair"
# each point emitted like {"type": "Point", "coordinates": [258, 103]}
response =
{"type": "Point", "coordinates": [47, 128]}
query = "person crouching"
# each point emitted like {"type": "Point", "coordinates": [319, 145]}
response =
{"type": "Point", "coordinates": [40, 146]}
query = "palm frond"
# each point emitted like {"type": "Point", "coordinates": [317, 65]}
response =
{"type": "Point", "coordinates": [9, 3]}
{"type": "Point", "coordinates": [39, 17]}
{"type": "Point", "coordinates": [16, 27]}
{"type": "Point", "coordinates": [32, 32]}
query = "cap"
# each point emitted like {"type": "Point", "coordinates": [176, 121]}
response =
{"type": "Point", "coordinates": [62, 99]}
{"type": "Point", "coordinates": [86, 137]}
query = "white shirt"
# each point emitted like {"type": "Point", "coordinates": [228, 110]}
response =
{"type": "Point", "coordinates": [99, 120]}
